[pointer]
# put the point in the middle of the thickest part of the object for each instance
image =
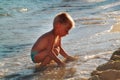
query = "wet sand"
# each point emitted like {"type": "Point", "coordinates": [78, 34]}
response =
{"type": "Point", "coordinates": [115, 28]}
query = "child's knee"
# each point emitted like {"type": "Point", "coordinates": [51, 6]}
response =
{"type": "Point", "coordinates": [57, 50]}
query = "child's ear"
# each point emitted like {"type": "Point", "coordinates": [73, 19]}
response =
{"type": "Point", "coordinates": [58, 25]}
{"type": "Point", "coordinates": [58, 28]}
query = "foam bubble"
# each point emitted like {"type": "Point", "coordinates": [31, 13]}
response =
{"type": "Point", "coordinates": [95, 0]}
{"type": "Point", "coordinates": [23, 10]}
{"type": "Point", "coordinates": [89, 57]}
{"type": "Point", "coordinates": [2, 64]}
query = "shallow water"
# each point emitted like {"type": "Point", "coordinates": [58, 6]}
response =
{"type": "Point", "coordinates": [93, 40]}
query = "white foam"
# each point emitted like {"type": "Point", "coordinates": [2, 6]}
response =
{"type": "Point", "coordinates": [2, 64]}
{"type": "Point", "coordinates": [95, 0]}
{"type": "Point", "coordinates": [110, 5]}
{"type": "Point", "coordinates": [23, 10]}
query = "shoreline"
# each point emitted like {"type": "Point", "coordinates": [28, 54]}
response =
{"type": "Point", "coordinates": [80, 68]}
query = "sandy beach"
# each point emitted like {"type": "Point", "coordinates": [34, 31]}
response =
{"type": "Point", "coordinates": [115, 28]}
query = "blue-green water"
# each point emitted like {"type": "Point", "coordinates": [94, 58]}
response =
{"type": "Point", "coordinates": [20, 23]}
{"type": "Point", "coordinates": [23, 21]}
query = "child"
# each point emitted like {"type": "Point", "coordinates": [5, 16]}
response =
{"type": "Point", "coordinates": [48, 46]}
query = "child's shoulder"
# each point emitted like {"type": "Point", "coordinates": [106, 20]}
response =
{"type": "Point", "coordinates": [47, 35]}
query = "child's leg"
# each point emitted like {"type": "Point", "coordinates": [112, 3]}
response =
{"type": "Point", "coordinates": [43, 64]}
{"type": "Point", "coordinates": [43, 57]}
{"type": "Point", "coordinates": [46, 61]}
{"type": "Point", "coordinates": [57, 50]}
{"type": "Point", "coordinates": [40, 56]}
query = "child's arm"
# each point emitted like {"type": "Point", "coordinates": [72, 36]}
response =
{"type": "Point", "coordinates": [52, 54]}
{"type": "Point", "coordinates": [63, 53]}
{"type": "Point", "coordinates": [67, 57]}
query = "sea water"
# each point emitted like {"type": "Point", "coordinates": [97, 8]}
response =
{"type": "Point", "coordinates": [23, 21]}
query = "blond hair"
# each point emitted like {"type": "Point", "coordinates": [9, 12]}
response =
{"type": "Point", "coordinates": [63, 18]}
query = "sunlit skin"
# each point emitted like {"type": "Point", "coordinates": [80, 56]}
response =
{"type": "Point", "coordinates": [49, 46]}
